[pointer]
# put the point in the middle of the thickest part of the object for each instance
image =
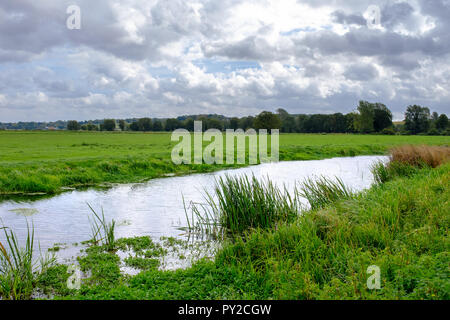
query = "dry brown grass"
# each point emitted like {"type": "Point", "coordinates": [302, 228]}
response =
{"type": "Point", "coordinates": [432, 156]}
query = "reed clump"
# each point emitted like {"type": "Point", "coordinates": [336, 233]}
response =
{"type": "Point", "coordinates": [323, 191]}
{"type": "Point", "coordinates": [102, 230]}
{"type": "Point", "coordinates": [422, 155]}
{"type": "Point", "coordinates": [240, 203]}
{"type": "Point", "coordinates": [405, 161]}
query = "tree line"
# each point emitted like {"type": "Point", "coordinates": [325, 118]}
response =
{"type": "Point", "coordinates": [367, 118]}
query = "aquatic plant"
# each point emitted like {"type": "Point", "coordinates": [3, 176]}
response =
{"type": "Point", "coordinates": [103, 231]}
{"type": "Point", "coordinates": [323, 191]}
{"type": "Point", "coordinates": [240, 203]}
{"type": "Point", "coordinates": [422, 155]}
{"type": "Point", "coordinates": [17, 266]}
{"type": "Point", "coordinates": [406, 160]}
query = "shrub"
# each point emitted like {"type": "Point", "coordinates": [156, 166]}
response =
{"type": "Point", "coordinates": [434, 132]}
{"type": "Point", "coordinates": [388, 131]}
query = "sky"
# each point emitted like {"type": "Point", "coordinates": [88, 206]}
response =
{"type": "Point", "coordinates": [167, 58]}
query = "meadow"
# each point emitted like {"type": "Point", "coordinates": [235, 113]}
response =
{"type": "Point", "coordinates": [48, 162]}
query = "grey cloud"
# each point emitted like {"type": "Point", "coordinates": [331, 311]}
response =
{"type": "Point", "coordinates": [361, 72]}
{"type": "Point", "coordinates": [394, 14]}
{"type": "Point", "coordinates": [101, 70]}
{"type": "Point", "coordinates": [344, 18]}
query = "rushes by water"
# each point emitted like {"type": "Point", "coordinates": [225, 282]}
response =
{"type": "Point", "coordinates": [323, 191]}
{"type": "Point", "coordinates": [103, 231]}
{"type": "Point", "coordinates": [419, 156]}
{"type": "Point", "coordinates": [407, 160]}
{"type": "Point", "coordinates": [16, 266]}
{"type": "Point", "coordinates": [239, 204]}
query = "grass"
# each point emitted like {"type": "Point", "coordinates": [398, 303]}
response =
{"type": "Point", "coordinates": [323, 191]}
{"type": "Point", "coordinates": [240, 204]}
{"type": "Point", "coordinates": [407, 160]}
{"type": "Point", "coordinates": [102, 230]}
{"type": "Point", "coordinates": [16, 267]}
{"type": "Point", "coordinates": [400, 226]}
{"type": "Point", "coordinates": [421, 155]}
{"type": "Point", "coordinates": [47, 162]}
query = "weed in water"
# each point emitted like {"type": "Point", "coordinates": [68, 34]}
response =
{"type": "Point", "coordinates": [240, 204]}
{"type": "Point", "coordinates": [17, 266]}
{"type": "Point", "coordinates": [103, 231]}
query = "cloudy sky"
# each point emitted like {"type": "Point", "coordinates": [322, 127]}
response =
{"type": "Point", "coordinates": [134, 58]}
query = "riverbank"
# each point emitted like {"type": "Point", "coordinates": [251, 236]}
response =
{"type": "Point", "coordinates": [49, 162]}
{"type": "Point", "coordinates": [400, 226]}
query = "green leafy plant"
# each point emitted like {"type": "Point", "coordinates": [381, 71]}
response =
{"type": "Point", "coordinates": [323, 191]}
{"type": "Point", "coordinates": [103, 231]}
{"type": "Point", "coordinates": [17, 266]}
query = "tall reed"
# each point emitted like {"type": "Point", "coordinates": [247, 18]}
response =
{"type": "Point", "coordinates": [241, 203]}
{"type": "Point", "coordinates": [103, 231]}
{"type": "Point", "coordinates": [17, 266]}
{"type": "Point", "coordinates": [432, 156]}
{"type": "Point", "coordinates": [406, 160]}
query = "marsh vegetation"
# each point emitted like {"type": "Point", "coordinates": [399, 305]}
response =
{"type": "Point", "coordinates": [290, 251]}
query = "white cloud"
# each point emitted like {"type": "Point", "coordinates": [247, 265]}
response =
{"type": "Point", "coordinates": [167, 58]}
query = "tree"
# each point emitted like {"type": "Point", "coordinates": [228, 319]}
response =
{"type": "Point", "coordinates": [372, 117]}
{"type": "Point", "coordinates": [382, 117]}
{"type": "Point", "coordinates": [442, 122]}
{"type": "Point", "coordinates": [287, 121]}
{"type": "Point", "coordinates": [246, 123]}
{"type": "Point", "coordinates": [134, 126]}
{"type": "Point", "coordinates": [213, 123]}
{"type": "Point", "coordinates": [172, 124]}
{"type": "Point", "coordinates": [350, 120]}
{"type": "Point", "coordinates": [122, 125]}
{"type": "Point", "coordinates": [364, 120]}
{"type": "Point", "coordinates": [234, 123]}
{"type": "Point", "coordinates": [109, 124]}
{"type": "Point", "coordinates": [434, 116]}
{"type": "Point", "coordinates": [300, 122]}
{"type": "Point", "coordinates": [73, 125]}
{"type": "Point", "coordinates": [267, 120]}
{"type": "Point", "coordinates": [92, 127]}
{"type": "Point", "coordinates": [417, 119]}
{"type": "Point", "coordinates": [145, 124]}
{"type": "Point", "coordinates": [188, 124]}
{"type": "Point", "coordinates": [338, 123]}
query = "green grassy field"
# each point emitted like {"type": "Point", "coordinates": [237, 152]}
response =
{"type": "Point", "coordinates": [44, 162]}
